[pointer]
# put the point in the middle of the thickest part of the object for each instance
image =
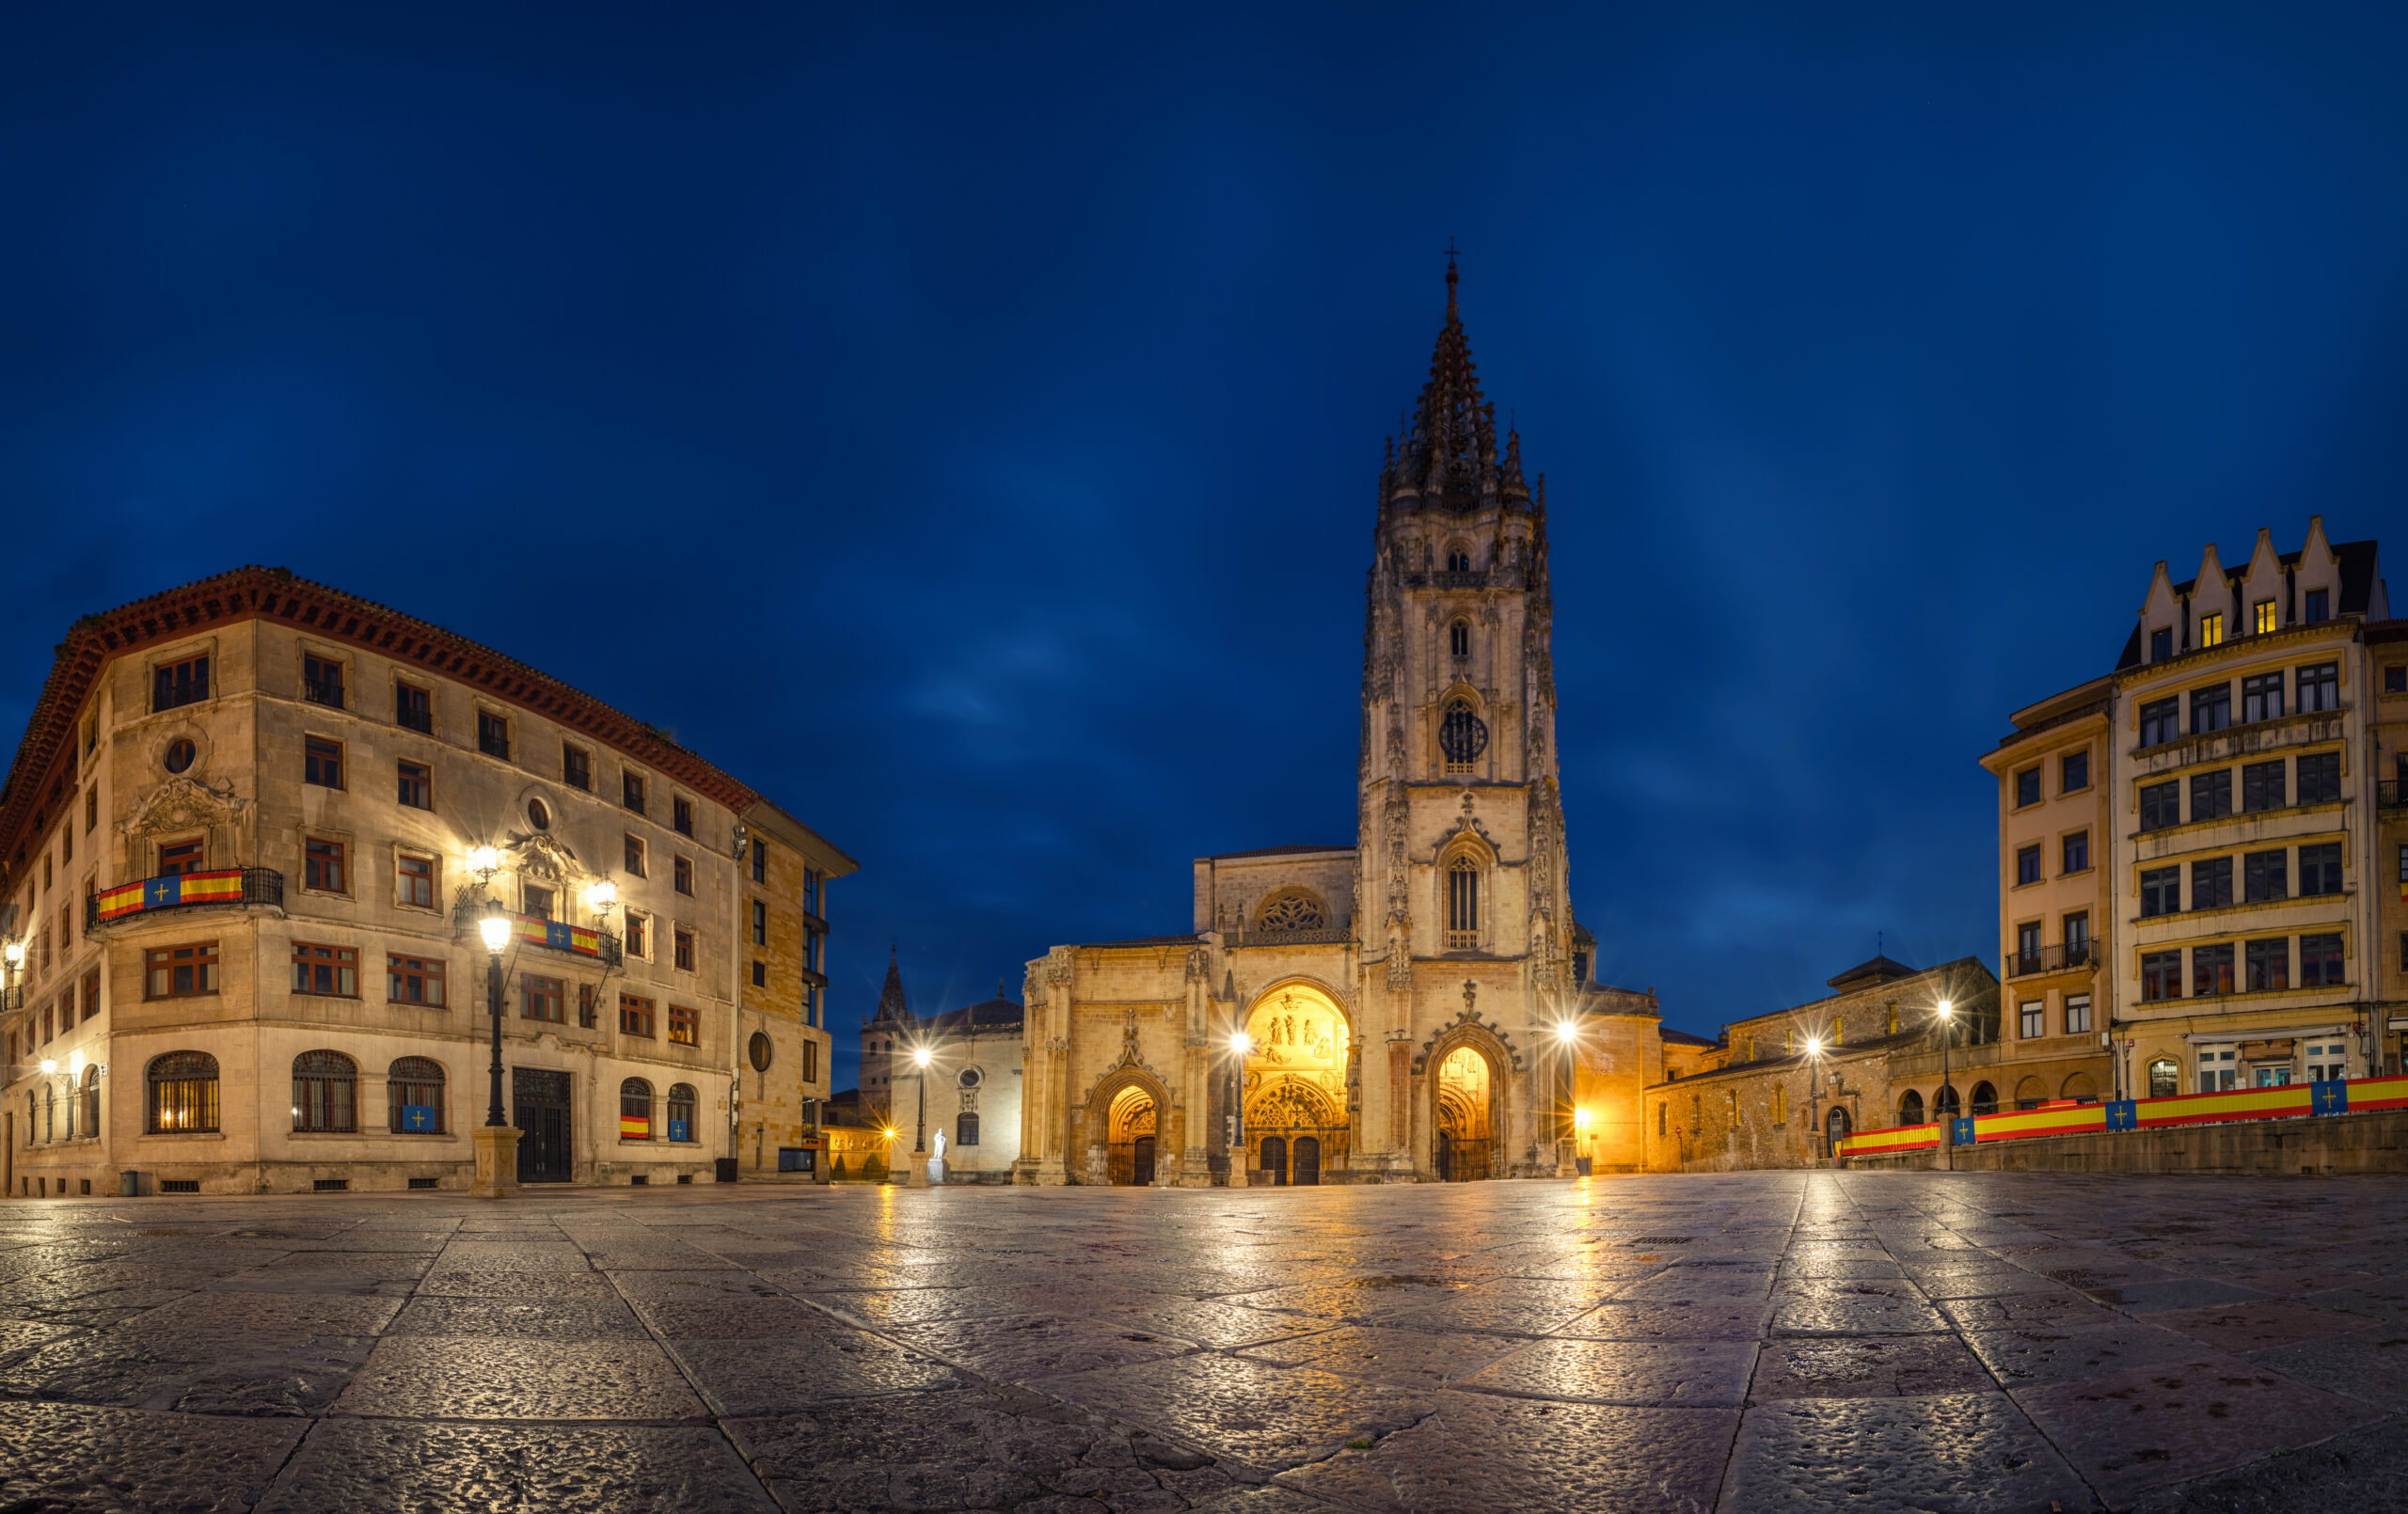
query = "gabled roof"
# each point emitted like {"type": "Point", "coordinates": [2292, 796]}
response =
{"type": "Point", "coordinates": [1684, 1037]}
{"type": "Point", "coordinates": [1876, 969]}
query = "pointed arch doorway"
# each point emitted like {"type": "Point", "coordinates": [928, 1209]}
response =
{"type": "Point", "coordinates": [1467, 1116]}
{"type": "Point", "coordinates": [1299, 1050]}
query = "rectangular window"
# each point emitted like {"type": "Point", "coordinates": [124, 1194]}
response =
{"type": "Point", "coordinates": [413, 881]}
{"type": "Point", "coordinates": [587, 1014]}
{"type": "Point", "coordinates": [321, 865]}
{"type": "Point", "coordinates": [2211, 883]}
{"type": "Point", "coordinates": [2027, 865]}
{"type": "Point", "coordinates": [638, 933]}
{"type": "Point", "coordinates": [541, 998]}
{"type": "Point", "coordinates": [2210, 708]}
{"type": "Point", "coordinates": [537, 901]}
{"type": "Point", "coordinates": [2395, 678]}
{"type": "Point", "coordinates": [2319, 869]}
{"type": "Point", "coordinates": [2077, 1014]}
{"type": "Point", "coordinates": [684, 941]}
{"type": "Point", "coordinates": [681, 814]}
{"type": "Point", "coordinates": [2319, 687]}
{"type": "Point", "coordinates": [2319, 778]}
{"type": "Point", "coordinates": [685, 1025]}
{"type": "Point", "coordinates": [810, 1062]}
{"type": "Point", "coordinates": [2077, 852]}
{"type": "Point", "coordinates": [2265, 876]}
{"type": "Point", "coordinates": [179, 858]}
{"type": "Point", "coordinates": [2161, 805]}
{"type": "Point", "coordinates": [2261, 616]}
{"type": "Point", "coordinates": [493, 735]}
{"type": "Point", "coordinates": [413, 707]}
{"type": "Point", "coordinates": [2320, 962]}
{"type": "Point", "coordinates": [2035, 1019]}
{"type": "Point", "coordinates": [760, 923]}
{"type": "Point", "coordinates": [2161, 721]}
{"type": "Point", "coordinates": [2211, 794]}
{"type": "Point", "coordinates": [2320, 606]}
{"type": "Point", "coordinates": [177, 683]}
{"type": "Point", "coordinates": [815, 952]}
{"type": "Point", "coordinates": [180, 971]}
{"type": "Point", "coordinates": [2073, 772]}
{"type": "Point", "coordinates": [577, 767]}
{"type": "Point", "coordinates": [2027, 787]}
{"type": "Point", "coordinates": [760, 974]}
{"type": "Point", "coordinates": [2267, 965]}
{"type": "Point", "coordinates": [2261, 698]}
{"type": "Point", "coordinates": [811, 890]}
{"type": "Point", "coordinates": [760, 861]}
{"type": "Point", "coordinates": [2211, 630]}
{"type": "Point", "coordinates": [2262, 786]}
{"type": "Point", "coordinates": [2210, 970]}
{"type": "Point", "coordinates": [414, 980]}
{"type": "Point", "coordinates": [91, 807]}
{"type": "Point", "coordinates": [321, 682]}
{"type": "Point", "coordinates": [682, 874]}
{"type": "Point", "coordinates": [635, 1016]}
{"type": "Point", "coordinates": [2160, 643]}
{"type": "Point", "coordinates": [633, 855]}
{"type": "Point", "coordinates": [321, 762]}
{"type": "Point", "coordinates": [631, 791]}
{"type": "Point", "coordinates": [91, 993]}
{"type": "Point", "coordinates": [417, 785]}
{"type": "Point", "coordinates": [2077, 929]}
{"type": "Point", "coordinates": [2161, 891]}
{"type": "Point", "coordinates": [2027, 945]}
{"type": "Point", "coordinates": [332, 971]}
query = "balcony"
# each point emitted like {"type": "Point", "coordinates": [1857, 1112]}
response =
{"type": "Point", "coordinates": [2070, 957]}
{"type": "Point", "coordinates": [184, 890]}
{"type": "Point", "coordinates": [325, 691]}
{"type": "Point", "coordinates": [2391, 794]}
{"type": "Point", "coordinates": [1322, 936]}
{"type": "Point", "coordinates": [560, 936]}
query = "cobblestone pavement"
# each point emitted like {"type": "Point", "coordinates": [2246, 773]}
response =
{"type": "Point", "coordinates": [1739, 1342]}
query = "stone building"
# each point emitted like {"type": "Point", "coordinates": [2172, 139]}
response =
{"type": "Point", "coordinates": [968, 1097]}
{"type": "Point", "coordinates": [785, 1069]}
{"type": "Point", "coordinates": [2250, 745]}
{"type": "Point", "coordinates": [248, 837]}
{"type": "Point", "coordinates": [1777, 1090]}
{"type": "Point", "coordinates": [1388, 1008]}
{"type": "Point", "coordinates": [2387, 650]}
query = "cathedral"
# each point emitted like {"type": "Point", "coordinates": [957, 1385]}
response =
{"type": "Point", "coordinates": [1417, 1005]}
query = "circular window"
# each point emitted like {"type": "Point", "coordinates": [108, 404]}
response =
{"type": "Point", "coordinates": [1462, 736]}
{"type": "Point", "coordinates": [539, 814]}
{"type": "Point", "coordinates": [970, 1076]}
{"type": "Point", "coordinates": [760, 1051]}
{"type": "Point", "coordinates": [179, 754]}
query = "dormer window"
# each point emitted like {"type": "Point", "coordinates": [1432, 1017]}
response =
{"type": "Point", "coordinates": [2211, 630]}
{"type": "Point", "coordinates": [2261, 616]}
{"type": "Point", "coordinates": [1459, 639]}
{"type": "Point", "coordinates": [2320, 606]}
{"type": "Point", "coordinates": [2160, 643]}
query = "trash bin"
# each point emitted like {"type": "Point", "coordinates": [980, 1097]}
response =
{"type": "Point", "coordinates": [129, 1185]}
{"type": "Point", "coordinates": [725, 1167]}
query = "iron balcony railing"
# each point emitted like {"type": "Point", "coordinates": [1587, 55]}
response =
{"type": "Point", "coordinates": [2066, 959]}
{"type": "Point", "coordinates": [560, 936]}
{"type": "Point", "coordinates": [1328, 936]}
{"type": "Point", "coordinates": [2391, 794]}
{"type": "Point", "coordinates": [326, 691]}
{"type": "Point", "coordinates": [184, 890]}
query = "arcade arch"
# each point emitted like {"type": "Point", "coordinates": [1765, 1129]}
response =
{"type": "Point", "coordinates": [1299, 1044]}
{"type": "Point", "coordinates": [1467, 1116]}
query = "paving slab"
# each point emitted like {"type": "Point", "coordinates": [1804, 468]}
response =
{"type": "Point", "coordinates": [1866, 1366]}
{"type": "Point", "coordinates": [397, 1464]}
{"type": "Point", "coordinates": [484, 1376]}
{"type": "Point", "coordinates": [1973, 1453]}
{"type": "Point", "coordinates": [63, 1457]}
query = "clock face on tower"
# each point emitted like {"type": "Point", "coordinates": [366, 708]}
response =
{"type": "Point", "coordinates": [1463, 735]}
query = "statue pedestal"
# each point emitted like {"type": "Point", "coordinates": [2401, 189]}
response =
{"type": "Point", "coordinates": [497, 1163]}
{"type": "Point", "coordinates": [916, 1169]}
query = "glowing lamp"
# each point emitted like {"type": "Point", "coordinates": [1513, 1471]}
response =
{"type": "Point", "coordinates": [603, 895]}
{"type": "Point", "coordinates": [1947, 1009]}
{"type": "Point", "coordinates": [49, 1065]}
{"type": "Point", "coordinates": [483, 861]}
{"type": "Point", "coordinates": [495, 928]}
{"type": "Point", "coordinates": [1241, 1042]}
{"type": "Point", "coordinates": [1813, 1046]}
{"type": "Point", "coordinates": [1566, 1029]}
{"type": "Point", "coordinates": [1579, 1116]}
{"type": "Point", "coordinates": [921, 1057]}
{"type": "Point", "coordinates": [15, 952]}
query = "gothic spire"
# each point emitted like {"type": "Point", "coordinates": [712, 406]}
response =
{"type": "Point", "coordinates": [1448, 456]}
{"type": "Point", "coordinates": [890, 998]}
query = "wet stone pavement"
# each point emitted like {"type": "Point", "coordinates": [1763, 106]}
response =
{"type": "Point", "coordinates": [1739, 1342]}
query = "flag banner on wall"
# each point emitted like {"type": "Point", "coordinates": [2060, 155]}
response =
{"type": "Point", "coordinates": [224, 885]}
{"type": "Point", "coordinates": [678, 1130]}
{"type": "Point", "coordinates": [559, 935]}
{"type": "Point", "coordinates": [420, 1118]}
{"type": "Point", "coordinates": [635, 1127]}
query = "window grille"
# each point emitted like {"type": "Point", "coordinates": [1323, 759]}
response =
{"type": "Point", "coordinates": [414, 1095]}
{"type": "Point", "coordinates": [1462, 737]}
{"type": "Point", "coordinates": [1463, 904]}
{"type": "Point", "coordinates": [183, 1093]}
{"type": "Point", "coordinates": [326, 1092]}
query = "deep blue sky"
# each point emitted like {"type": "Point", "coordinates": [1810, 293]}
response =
{"type": "Point", "coordinates": [963, 427]}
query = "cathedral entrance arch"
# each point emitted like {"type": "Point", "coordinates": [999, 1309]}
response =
{"type": "Point", "coordinates": [1467, 1113]}
{"type": "Point", "coordinates": [1296, 1063]}
{"type": "Point", "coordinates": [1128, 1148]}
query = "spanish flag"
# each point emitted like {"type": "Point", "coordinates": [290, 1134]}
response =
{"type": "Point", "coordinates": [635, 1127]}
{"type": "Point", "coordinates": [558, 933]}
{"type": "Point", "coordinates": [219, 887]}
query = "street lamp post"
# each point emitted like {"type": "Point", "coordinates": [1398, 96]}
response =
{"type": "Point", "coordinates": [1948, 1116]}
{"type": "Point", "coordinates": [1813, 1096]}
{"type": "Point", "coordinates": [1566, 1031]}
{"type": "Point", "coordinates": [496, 1143]}
{"type": "Point", "coordinates": [918, 1174]}
{"type": "Point", "coordinates": [1240, 1044]}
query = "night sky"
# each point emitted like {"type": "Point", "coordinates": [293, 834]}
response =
{"type": "Point", "coordinates": [963, 427]}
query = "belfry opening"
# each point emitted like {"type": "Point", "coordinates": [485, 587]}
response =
{"type": "Point", "coordinates": [1295, 1087]}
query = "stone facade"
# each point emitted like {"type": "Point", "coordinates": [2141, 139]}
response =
{"type": "Point", "coordinates": [249, 889]}
{"type": "Point", "coordinates": [1398, 997]}
{"type": "Point", "coordinates": [968, 1101]}
{"type": "Point", "coordinates": [782, 927]}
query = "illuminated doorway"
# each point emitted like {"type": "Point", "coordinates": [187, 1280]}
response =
{"type": "Point", "coordinates": [1129, 1151]}
{"type": "Point", "coordinates": [1295, 1103]}
{"type": "Point", "coordinates": [1467, 1117]}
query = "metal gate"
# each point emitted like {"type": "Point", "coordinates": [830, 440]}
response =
{"type": "Point", "coordinates": [1274, 1159]}
{"type": "Point", "coordinates": [1462, 1161]}
{"type": "Point", "coordinates": [539, 1099]}
{"type": "Point", "coordinates": [1305, 1169]}
{"type": "Point", "coordinates": [1142, 1162]}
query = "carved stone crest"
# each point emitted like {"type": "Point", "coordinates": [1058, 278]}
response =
{"type": "Point", "coordinates": [184, 803]}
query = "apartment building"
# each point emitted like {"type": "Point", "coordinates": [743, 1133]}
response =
{"type": "Point", "coordinates": [782, 931]}
{"type": "Point", "coordinates": [249, 838]}
{"type": "Point", "coordinates": [2249, 889]}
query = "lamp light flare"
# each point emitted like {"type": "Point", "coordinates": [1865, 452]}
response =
{"type": "Point", "coordinates": [1566, 1029]}
{"type": "Point", "coordinates": [1241, 1042]}
{"type": "Point", "coordinates": [495, 928]}
{"type": "Point", "coordinates": [1813, 1046]}
{"type": "Point", "coordinates": [921, 1057]}
{"type": "Point", "coordinates": [49, 1065]}
{"type": "Point", "coordinates": [483, 859]}
{"type": "Point", "coordinates": [15, 952]}
{"type": "Point", "coordinates": [603, 895]}
{"type": "Point", "coordinates": [1947, 1009]}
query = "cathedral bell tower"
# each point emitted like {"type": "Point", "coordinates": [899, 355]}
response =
{"type": "Point", "coordinates": [1460, 850]}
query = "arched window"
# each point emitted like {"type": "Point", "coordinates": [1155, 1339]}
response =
{"type": "Point", "coordinates": [1985, 1099]}
{"type": "Point", "coordinates": [966, 1131]}
{"type": "Point", "coordinates": [326, 1092]}
{"type": "Point", "coordinates": [681, 1112]}
{"type": "Point", "coordinates": [1459, 558]}
{"type": "Point", "coordinates": [1911, 1108]}
{"type": "Point", "coordinates": [1463, 904]}
{"type": "Point", "coordinates": [1944, 1104]}
{"type": "Point", "coordinates": [2165, 1078]}
{"type": "Point", "coordinates": [92, 1100]}
{"type": "Point", "coordinates": [1463, 735]}
{"type": "Point", "coordinates": [1292, 909]}
{"type": "Point", "coordinates": [1459, 639]}
{"type": "Point", "coordinates": [1837, 1126]}
{"type": "Point", "coordinates": [414, 1096]}
{"type": "Point", "coordinates": [49, 1110]}
{"type": "Point", "coordinates": [180, 1093]}
{"type": "Point", "coordinates": [634, 1110]}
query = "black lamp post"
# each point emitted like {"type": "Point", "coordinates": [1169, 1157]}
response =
{"type": "Point", "coordinates": [1948, 1116]}
{"type": "Point", "coordinates": [920, 1137]}
{"type": "Point", "coordinates": [496, 929]}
